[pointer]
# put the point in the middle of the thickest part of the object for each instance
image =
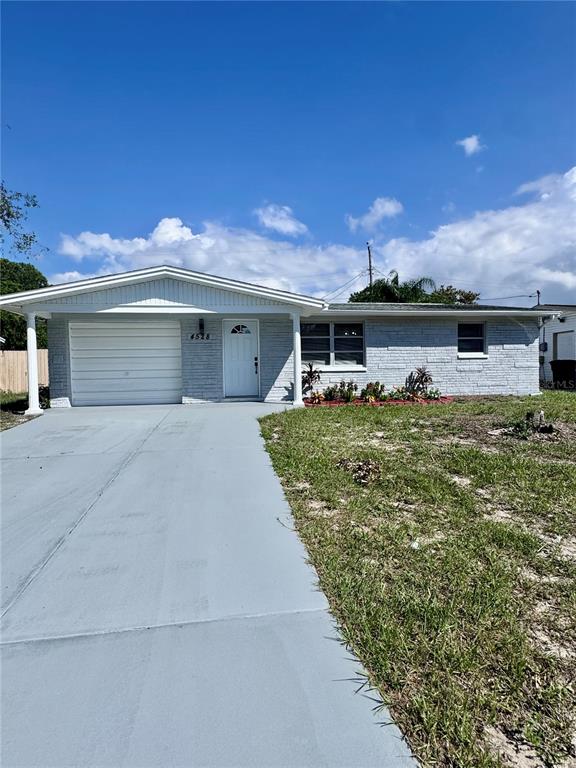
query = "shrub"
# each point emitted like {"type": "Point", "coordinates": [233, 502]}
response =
{"type": "Point", "coordinates": [316, 397]}
{"type": "Point", "coordinates": [373, 391]}
{"type": "Point", "coordinates": [347, 391]}
{"type": "Point", "coordinates": [331, 393]}
{"type": "Point", "coordinates": [417, 383]}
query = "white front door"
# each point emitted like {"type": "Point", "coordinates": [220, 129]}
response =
{"type": "Point", "coordinates": [241, 364]}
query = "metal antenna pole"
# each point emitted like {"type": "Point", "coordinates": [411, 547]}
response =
{"type": "Point", "coordinates": [370, 275]}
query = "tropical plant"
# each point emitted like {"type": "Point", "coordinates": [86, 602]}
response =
{"type": "Point", "coordinates": [390, 289]}
{"type": "Point", "coordinates": [420, 290]}
{"type": "Point", "coordinates": [310, 376]}
{"type": "Point", "coordinates": [347, 391]}
{"type": "Point", "coordinates": [373, 391]}
{"type": "Point", "coordinates": [417, 382]}
{"type": "Point", "coordinates": [317, 397]}
{"type": "Point", "coordinates": [331, 393]}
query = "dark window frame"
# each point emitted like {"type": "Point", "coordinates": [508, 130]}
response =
{"type": "Point", "coordinates": [462, 336]}
{"type": "Point", "coordinates": [331, 352]}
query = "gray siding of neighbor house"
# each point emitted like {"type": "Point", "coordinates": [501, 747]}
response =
{"type": "Point", "coordinates": [394, 347]}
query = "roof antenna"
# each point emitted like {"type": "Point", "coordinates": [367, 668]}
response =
{"type": "Point", "coordinates": [538, 298]}
{"type": "Point", "coordinates": [370, 276]}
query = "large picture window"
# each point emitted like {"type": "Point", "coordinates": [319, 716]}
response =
{"type": "Point", "coordinates": [333, 344]}
{"type": "Point", "coordinates": [471, 338]}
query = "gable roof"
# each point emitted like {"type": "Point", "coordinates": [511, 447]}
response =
{"type": "Point", "coordinates": [45, 295]}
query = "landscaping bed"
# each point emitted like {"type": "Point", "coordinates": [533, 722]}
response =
{"type": "Point", "coordinates": [334, 403]}
{"type": "Point", "coordinates": [445, 542]}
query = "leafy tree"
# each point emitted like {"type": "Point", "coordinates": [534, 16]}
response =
{"type": "Point", "coordinates": [419, 291]}
{"type": "Point", "coordinates": [14, 207]}
{"type": "Point", "coordinates": [389, 289]}
{"type": "Point", "coordinates": [447, 294]}
{"type": "Point", "coordinates": [14, 277]}
{"type": "Point", "coordinates": [18, 276]}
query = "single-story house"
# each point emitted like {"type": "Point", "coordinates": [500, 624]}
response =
{"type": "Point", "coordinates": [557, 336]}
{"type": "Point", "coordinates": [170, 335]}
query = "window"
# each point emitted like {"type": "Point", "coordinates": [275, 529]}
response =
{"type": "Point", "coordinates": [471, 338]}
{"type": "Point", "coordinates": [240, 329]}
{"type": "Point", "coordinates": [334, 344]}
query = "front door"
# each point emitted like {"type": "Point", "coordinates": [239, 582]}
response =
{"type": "Point", "coordinates": [241, 364]}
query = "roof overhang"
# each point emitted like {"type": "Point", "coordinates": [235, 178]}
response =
{"type": "Point", "coordinates": [474, 315]}
{"type": "Point", "coordinates": [23, 301]}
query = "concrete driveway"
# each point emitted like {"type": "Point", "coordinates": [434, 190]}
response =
{"type": "Point", "coordinates": [158, 609]}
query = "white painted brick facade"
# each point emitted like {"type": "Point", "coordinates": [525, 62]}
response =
{"type": "Point", "coordinates": [394, 347]}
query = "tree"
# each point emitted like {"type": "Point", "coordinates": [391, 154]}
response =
{"type": "Point", "coordinates": [447, 294]}
{"type": "Point", "coordinates": [391, 290]}
{"type": "Point", "coordinates": [14, 207]}
{"type": "Point", "coordinates": [20, 276]}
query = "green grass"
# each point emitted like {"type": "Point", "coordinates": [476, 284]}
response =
{"type": "Point", "coordinates": [11, 406]}
{"type": "Point", "coordinates": [452, 574]}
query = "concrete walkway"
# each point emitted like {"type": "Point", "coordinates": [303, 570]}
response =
{"type": "Point", "coordinates": [155, 610]}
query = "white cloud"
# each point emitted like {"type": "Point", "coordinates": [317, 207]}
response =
{"type": "Point", "coordinates": [382, 208]}
{"type": "Point", "coordinates": [230, 252]}
{"type": "Point", "coordinates": [513, 250]}
{"type": "Point", "coordinates": [501, 252]}
{"type": "Point", "coordinates": [471, 145]}
{"type": "Point", "coordinates": [280, 218]}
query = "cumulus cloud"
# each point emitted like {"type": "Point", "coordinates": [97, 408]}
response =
{"type": "Point", "coordinates": [511, 250]}
{"type": "Point", "coordinates": [471, 145]}
{"type": "Point", "coordinates": [280, 218]}
{"type": "Point", "coordinates": [216, 249]}
{"type": "Point", "coordinates": [501, 252]}
{"type": "Point", "coordinates": [382, 208]}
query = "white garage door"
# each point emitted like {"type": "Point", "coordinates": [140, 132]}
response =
{"type": "Point", "coordinates": [126, 362]}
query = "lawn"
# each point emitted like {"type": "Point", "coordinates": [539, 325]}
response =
{"type": "Point", "coordinates": [12, 405]}
{"type": "Point", "coordinates": [447, 551]}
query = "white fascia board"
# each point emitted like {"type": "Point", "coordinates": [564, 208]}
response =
{"type": "Point", "coordinates": [153, 273]}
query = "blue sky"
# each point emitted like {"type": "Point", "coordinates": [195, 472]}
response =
{"type": "Point", "coordinates": [252, 139]}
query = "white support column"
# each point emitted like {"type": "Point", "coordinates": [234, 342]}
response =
{"type": "Point", "coordinates": [32, 353]}
{"type": "Point", "coordinates": [297, 347]}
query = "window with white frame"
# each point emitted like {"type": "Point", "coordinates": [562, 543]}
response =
{"type": "Point", "coordinates": [471, 338]}
{"type": "Point", "coordinates": [333, 344]}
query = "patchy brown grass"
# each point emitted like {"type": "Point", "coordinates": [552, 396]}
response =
{"type": "Point", "coordinates": [447, 548]}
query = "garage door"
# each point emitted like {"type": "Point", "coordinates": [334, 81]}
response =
{"type": "Point", "coordinates": [135, 363]}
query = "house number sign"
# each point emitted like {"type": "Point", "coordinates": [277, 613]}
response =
{"type": "Point", "coordinates": [200, 337]}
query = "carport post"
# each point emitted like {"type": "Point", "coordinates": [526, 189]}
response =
{"type": "Point", "coordinates": [32, 355]}
{"type": "Point", "coordinates": [297, 348]}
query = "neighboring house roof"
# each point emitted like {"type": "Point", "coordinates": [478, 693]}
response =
{"type": "Point", "coordinates": [555, 307]}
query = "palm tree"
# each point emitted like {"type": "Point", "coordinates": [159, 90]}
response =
{"type": "Point", "coordinates": [389, 289]}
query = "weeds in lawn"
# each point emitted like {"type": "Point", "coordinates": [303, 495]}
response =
{"type": "Point", "coordinates": [451, 570]}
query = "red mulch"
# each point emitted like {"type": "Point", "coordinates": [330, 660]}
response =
{"type": "Point", "coordinates": [335, 403]}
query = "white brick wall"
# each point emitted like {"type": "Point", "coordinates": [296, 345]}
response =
{"type": "Point", "coordinates": [202, 362]}
{"type": "Point", "coordinates": [394, 347]}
